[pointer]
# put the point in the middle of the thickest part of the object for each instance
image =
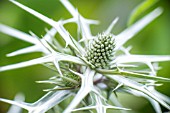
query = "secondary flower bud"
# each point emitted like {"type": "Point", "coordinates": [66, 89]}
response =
{"type": "Point", "coordinates": [69, 83]}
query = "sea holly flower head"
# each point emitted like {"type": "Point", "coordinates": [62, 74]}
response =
{"type": "Point", "coordinates": [92, 68]}
{"type": "Point", "coordinates": [100, 51]}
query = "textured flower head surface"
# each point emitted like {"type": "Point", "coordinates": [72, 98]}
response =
{"type": "Point", "coordinates": [92, 69]}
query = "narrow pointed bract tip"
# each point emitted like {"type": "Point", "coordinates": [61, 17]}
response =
{"type": "Point", "coordinates": [109, 29]}
{"type": "Point", "coordinates": [13, 1]}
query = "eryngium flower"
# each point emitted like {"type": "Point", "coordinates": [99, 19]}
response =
{"type": "Point", "coordinates": [92, 68]}
{"type": "Point", "coordinates": [100, 51]}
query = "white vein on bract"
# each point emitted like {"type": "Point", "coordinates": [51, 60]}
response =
{"type": "Point", "coordinates": [47, 82]}
{"type": "Point", "coordinates": [100, 106]}
{"type": "Point", "coordinates": [87, 78]}
{"type": "Point", "coordinates": [70, 8]}
{"type": "Point", "coordinates": [16, 109]}
{"type": "Point", "coordinates": [149, 64]}
{"type": "Point", "coordinates": [50, 34]}
{"type": "Point", "coordinates": [86, 88]}
{"type": "Point", "coordinates": [79, 20]}
{"type": "Point", "coordinates": [162, 96]}
{"type": "Point", "coordinates": [98, 93]}
{"type": "Point", "coordinates": [141, 58]}
{"type": "Point", "coordinates": [80, 48]}
{"type": "Point", "coordinates": [69, 58]}
{"type": "Point", "coordinates": [43, 43]}
{"type": "Point", "coordinates": [26, 50]}
{"type": "Point", "coordinates": [37, 47]}
{"type": "Point", "coordinates": [126, 50]}
{"type": "Point", "coordinates": [85, 108]}
{"type": "Point", "coordinates": [76, 73]}
{"type": "Point", "coordinates": [48, 58]}
{"type": "Point", "coordinates": [17, 34]}
{"type": "Point", "coordinates": [56, 25]}
{"type": "Point", "coordinates": [109, 29]}
{"type": "Point", "coordinates": [75, 14]}
{"type": "Point", "coordinates": [146, 59]}
{"type": "Point", "coordinates": [30, 49]}
{"type": "Point", "coordinates": [46, 103]}
{"type": "Point", "coordinates": [127, 34]}
{"type": "Point", "coordinates": [28, 38]}
{"type": "Point", "coordinates": [43, 104]}
{"type": "Point", "coordinates": [54, 57]}
{"type": "Point", "coordinates": [45, 59]}
{"type": "Point", "coordinates": [138, 87]}
{"type": "Point", "coordinates": [154, 103]}
{"type": "Point", "coordinates": [118, 86]}
{"type": "Point", "coordinates": [116, 102]}
{"type": "Point", "coordinates": [20, 104]}
{"type": "Point", "coordinates": [84, 30]}
{"type": "Point", "coordinates": [31, 11]}
{"type": "Point", "coordinates": [143, 76]}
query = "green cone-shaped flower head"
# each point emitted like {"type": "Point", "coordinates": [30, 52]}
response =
{"type": "Point", "coordinates": [100, 51]}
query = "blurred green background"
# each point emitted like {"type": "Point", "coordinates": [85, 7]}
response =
{"type": "Point", "coordinates": [154, 39]}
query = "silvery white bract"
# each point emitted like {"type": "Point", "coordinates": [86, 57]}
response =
{"type": "Point", "coordinates": [92, 69]}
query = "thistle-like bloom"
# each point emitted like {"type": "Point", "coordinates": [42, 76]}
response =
{"type": "Point", "coordinates": [100, 51]}
{"type": "Point", "coordinates": [90, 67]}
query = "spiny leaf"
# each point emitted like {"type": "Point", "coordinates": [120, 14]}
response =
{"type": "Point", "coordinates": [27, 63]}
{"type": "Point", "coordinates": [57, 25]}
{"type": "Point", "coordinates": [30, 49]}
{"type": "Point", "coordinates": [141, 58]}
{"type": "Point", "coordinates": [127, 34]}
{"type": "Point", "coordinates": [139, 87]}
{"type": "Point", "coordinates": [100, 105]}
{"type": "Point", "coordinates": [109, 29]}
{"type": "Point", "coordinates": [86, 87]}
{"type": "Point", "coordinates": [133, 74]}
{"type": "Point", "coordinates": [17, 34]}
{"type": "Point", "coordinates": [43, 104]}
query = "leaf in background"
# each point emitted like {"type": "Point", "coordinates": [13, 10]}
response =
{"type": "Point", "coordinates": [140, 9]}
